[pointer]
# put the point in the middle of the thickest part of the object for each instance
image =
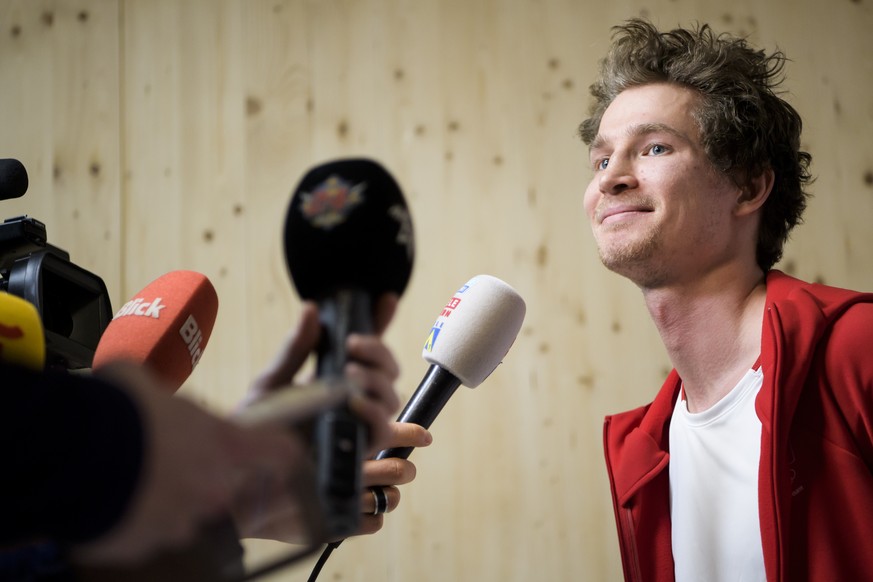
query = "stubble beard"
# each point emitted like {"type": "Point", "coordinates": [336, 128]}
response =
{"type": "Point", "coordinates": [635, 260]}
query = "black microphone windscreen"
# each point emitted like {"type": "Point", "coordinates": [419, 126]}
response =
{"type": "Point", "coordinates": [348, 227]}
{"type": "Point", "coordinates": [13, 179]}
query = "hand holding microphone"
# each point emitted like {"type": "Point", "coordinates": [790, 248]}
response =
{"type": "Point", "coordinates": [469, 339]}
{"type": "Point", "coordinates": [348, 243]}
{"type": "Point", "coordinates": [140, 470]}
{"type": "Point", "coordinates": [276, 398]}
{"type": "Point", "coordinates": [471, 336]}
{"type": "Point", "coordinates": [197, 465]}
{"type": "Point", "coordinates": [371, 372]}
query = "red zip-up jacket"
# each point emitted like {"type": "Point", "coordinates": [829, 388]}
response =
{"type": "Point", "coordinates": [815, 478]}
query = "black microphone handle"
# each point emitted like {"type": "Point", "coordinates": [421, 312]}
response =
{"type": "Point", "coordinates": [340, 436]}
{"type": "Point", "coordinates": [341, 313]}
{"type": "Point", "coordinates": [427, 401]}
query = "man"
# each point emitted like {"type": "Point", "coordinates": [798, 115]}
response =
{"type": "Point", "coordinates": [754, 460]}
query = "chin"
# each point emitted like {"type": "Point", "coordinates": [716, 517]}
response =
{"type": "Point", "coordinates": [636, 263]}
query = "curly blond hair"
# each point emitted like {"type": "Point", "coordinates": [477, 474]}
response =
{"type": "Point", "coordinates": [745, 126]}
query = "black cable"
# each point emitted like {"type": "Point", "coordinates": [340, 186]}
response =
{"type": "Point", "coordinates": [316, 570]}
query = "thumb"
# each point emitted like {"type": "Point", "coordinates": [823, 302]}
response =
{"type": "Point", "coordinates": [293, 354]}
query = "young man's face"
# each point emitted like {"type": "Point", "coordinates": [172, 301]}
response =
{"type": "Point", "coordinates": [658, 208]}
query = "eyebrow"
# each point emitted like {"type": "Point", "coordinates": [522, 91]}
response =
{"type": "Point", "coordinates": [639, 130]}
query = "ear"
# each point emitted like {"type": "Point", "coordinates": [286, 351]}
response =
{"type": "Point", "coordinates": [755, 192]}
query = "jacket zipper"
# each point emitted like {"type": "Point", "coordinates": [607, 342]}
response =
{"type": "Point", "coordinates": [633, 568]}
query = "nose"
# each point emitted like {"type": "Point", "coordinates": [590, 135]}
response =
{"type": "Point", "coordinates": [617, 177]}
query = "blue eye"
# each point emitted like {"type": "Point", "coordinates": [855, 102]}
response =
{"type": "Point", "coordinates": [657, 149]}
{"type": "Point", "coordinates": [601, 164]}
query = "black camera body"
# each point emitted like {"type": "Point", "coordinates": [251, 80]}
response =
{"type": "Point", "coordinates": [73, 303]}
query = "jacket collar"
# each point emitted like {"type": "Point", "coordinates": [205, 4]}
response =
{"type": "Point", "coordinates": [644, 450]}
{"type": "Point", "coordinates": [796, 316]}
{"type": "Point", "coordinates": [794, 309]}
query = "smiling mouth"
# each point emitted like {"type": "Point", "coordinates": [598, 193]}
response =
{"type": "Point", "coordinates": [616, 214]}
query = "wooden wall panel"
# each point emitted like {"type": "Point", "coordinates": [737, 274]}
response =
{"type": "Point", "coordinates": [473, 105]}
{"type": "Point", "coordinates": [185, 123]}
{"type": "Point", "coordinates": [60, 74]}
{"type": "Point", "coordinates": [278, 125]}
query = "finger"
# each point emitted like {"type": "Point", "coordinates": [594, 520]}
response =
{"type": "Point", "coordinates": [370, 500]}
{"type": "Point", "coordinates": [390, 471]}
{"type": "Point", "coordinates": [376, 385]}
{"type": "Point", "coordinates": [374, 369]}
{"type": "Point", "coordinates": [409, 434]}
{"type": "Point", "coordinates": [370, 524]}
{"type": "Point", "coordinates": [294, 352]}
{"type": "Point", "coordinates": [369, 351]}
{"type": "Point", "coordinates": [377, 420]}
{"type": "Point", "coordinates": [386, 306]}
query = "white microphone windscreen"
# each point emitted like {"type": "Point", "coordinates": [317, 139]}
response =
{"type": "Point", "coordinates": [475, 329]}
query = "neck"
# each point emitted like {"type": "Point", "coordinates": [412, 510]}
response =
{"type": "Point", "coordinates": [711, 329]}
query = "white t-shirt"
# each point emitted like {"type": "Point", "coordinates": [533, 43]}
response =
{"type": "Point", "coordinates": [714, 488]}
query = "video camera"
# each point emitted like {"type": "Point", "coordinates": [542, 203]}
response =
{"type": "Point", "coordinates": [72, 302]}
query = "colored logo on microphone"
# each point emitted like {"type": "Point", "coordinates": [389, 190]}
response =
{"type": "Point", "coordinates": [432, 338]}
{"type": "Point", "coordinates": [193, 338]}
{"type": "Point", "coordinates": [141, 307]}
{"type": "Point", "coordinates": [11, 332]}
{"type": "Point", "coordinates": [24, 346]}
{"type": "Point", "coordinates": [331, 202]}
{"type": "Point", "coordinates": [450, 306]}
{"type": "Point", "coordinates": [404, 232]}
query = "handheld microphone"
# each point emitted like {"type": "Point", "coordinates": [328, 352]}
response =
{"type": "Point", "coordinates": [165, 327]}
{"type": "Point", "coordinates": [469, 339]}
{"type": "Point", "coordinates": [13, 179]}
{"type": "Point", "coordinates": [348, 239]}
{"type": "Point", "coordinates": [22, 339]}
